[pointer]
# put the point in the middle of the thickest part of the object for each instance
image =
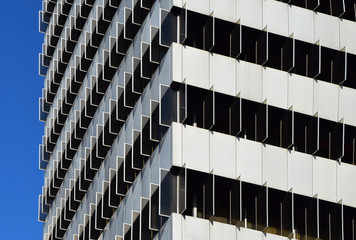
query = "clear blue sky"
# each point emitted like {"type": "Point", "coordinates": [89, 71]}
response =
{"type": "Point", "coordinates": [20, 179]}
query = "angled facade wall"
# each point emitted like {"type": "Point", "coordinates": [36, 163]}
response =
{"type": "Point", "coordinates": [209, 119]}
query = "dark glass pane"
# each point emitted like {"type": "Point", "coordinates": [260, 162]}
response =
{"type": "Point", "coordinates": [236, 41]}
{"type": "Point", "coordinates": [262, 45]}
{"type": "Point", "coordinates": [168, 193]}
{"type": "Point", "coordinates": [168, 28]}
{"type": "Point", "coordinates": [182, 190]}
{"type": "Point", "coordinates": [209, 33]}
{"type": "Point", "coordinates": [312, 140]}
{"type": "Point", "coordinates": [262, 132]}
{"type": "Point", "coordinates": [168, 106]}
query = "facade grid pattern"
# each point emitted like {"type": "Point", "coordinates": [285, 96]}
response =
{"type": "Point", "coordinates": [198, 119]}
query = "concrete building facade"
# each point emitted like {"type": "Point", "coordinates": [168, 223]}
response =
{"type": "Point", "coordinates": [198, 119]}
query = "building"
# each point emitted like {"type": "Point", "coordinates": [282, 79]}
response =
{"type": "Point", "coordinates": [209, 119]}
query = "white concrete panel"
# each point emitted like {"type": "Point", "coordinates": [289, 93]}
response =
{"type": "Point", "coordinates": [229, 232]}
{"type": "Point", "coordinates": [165, 69]}
{"type": "Point", "coordinates": [300, 94]}
{"type": "Point", "coordinates": [222, 154]}
{"type": "Point", "coordinates": [249, 161]}
{"type": "Point", "coordinates": [222, 74]}
{"type": "Point", "coordinates": [301, 23]}
{"type": "Point", "coordinates": [177, 144]}
{"type": "Point", "coordinates": [347, 105]}
{"type": "Point", "coordinates": [326, 100]}
{"type": "Point", "coordinates": [220, 231]}
{"type": "Point", "coordinates": [154, 83]}
{"type": "Point", "coordinates": [245, 233]}
{"type": "Point", "coordinates": [270, 236]}
{"type": "Point", "coordinates": [196, 67]}
{"type": "Point", "coordinates": [275, 168]}
{"type": "Point", "coordinates": [276, 23]}
{"type": "Point", "coordinates": [201, 6]}
{"type": "Point", "coordinates": [300, 173]}
{"type": "Point", "coordinates": [216, 230]}
{"type": "Point", "coordinates": [348, 35]}
{"type": "Point", "coordinates": [346, 184]}
{"type": "Point", "coordinates": [224, 9]}
{"type": "Point", "coordinates": [177, 62]}
{"type": "Point", "coordinates": [165, 154]}
{"type": "Point", "coordinates": [177, 226]}
{"type": "Point", "coordinates": [324, 178]}
{"type": "Point", "coordinates": [250, 12]}
{"type": "Point", "coordinates": [327, 30]}
{"type": "Point", "coordinates": [196, 229]}
{"type": "Point", "coordinates": [154, 169]}
{"type": "Point", "coordinates": [167, 5]}
{"type": "Point", "coordinates": [275, 87]}
{"type": "Point", "coordinates": [178, 3]}
{"type": "Point", "coordinates": [196, 148]}
{"type": "Point", "coordinates": [166, 233]}
{"type": "Point", "coordinates": [155, 15]}
{"type": "Point", "coordinates": [249, 80]}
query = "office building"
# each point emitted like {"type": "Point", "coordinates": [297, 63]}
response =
{"type": "Point", "coordinates": [198, 119]}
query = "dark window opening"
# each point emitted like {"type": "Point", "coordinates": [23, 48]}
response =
{"type": "Point", "coordinates": [129, 173]}
{"type": "Point", "coordinates": [136, 227]}
{"type": "Point", "coordinates": [252, 41]}
{"type": "Point", "coordinates": [157, 51]}
{"type": "Point", "coordinates": [145, 228]}
{"type": "Point", "coordinates": [199, 194]}
{"type": "Point", "coordinates": [324, 6]}
{"type": "Point", "coordinates": [351, 71]}
{"type": "Point", "coordinates": [349, 215]}
{"type": "Point", "coordinates": [280, 212]}
{"type": "Point", "coordinates": [168, 193]}
{"type": "Point", "coordinates": [131, 28]}
{"type": "Point", "coordinates": [121, 185]}
{"type": "Point", "coordinates": [130, 96]}
{"type": "Point", "coordinates": [306, 59]}
{"type": "Point", "coordinates": [195, 30]}
{"type": "Point", "coordinates": [147, 3]}
{"type": "Point", "coordinates": [227, 200]}
{"type": "Point", "coordinates": [280, 127]}
{"type": "Point", "coordinates": [254, 212]}
{"type": "Point", "coordinates": [200, 107]}
{"type": "Point", "coordinates": [123, 111]}
{"type": "Point", "coordinates": [168, 28]}
{"type": "Point", "coordinates": [147, 67]}
{"type": "Point", "coordinates": [114, 197]}
{"type": "Point", "coordinates": [138, 160]}
{"type": "Point", "coordinates": [306, 133]}
{"type": "Point", "coordinates": [227, 34]}
{"type": "Point", "coordinates": [157, 221]}
{"type": "Point", "coordinates": [330, 221]}
{"type": "Point", "coordinates": [330, 139]}
{"type": "Point", "coordinates": [227, 114]}
{"type": "Point", "coordinates": [305, 217]}
{"type": "Point", "coordinates": [349, 10]}
{"type": "Point", "coordinates": [254, 120]}
{"type": "Point", "coordinates": [139, 83]}
{"type": "Point", "coordinates": [139, 13]}
{"type": "Point", "coordinates": [168, 106]}
{"type": "Point", "coordinates": [127, 235]}
{"type": "Point", "coordinates": [147, 145]}
{"type": "Point", "coordinates": [123, 43]}
{"type": "Point", "coordinates": [100, 222]}
{"type": "Point", "coordinates": [327, 65]}
{"type": "Point", "coordinates": [313, 4]}
{"type": "Point", "coordinates": [350, 145]}
{"type": "Point", "coordinates": [157, 130]}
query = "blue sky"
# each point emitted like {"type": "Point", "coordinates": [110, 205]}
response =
{"type": "Point", "coordinates": [20, 179]}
